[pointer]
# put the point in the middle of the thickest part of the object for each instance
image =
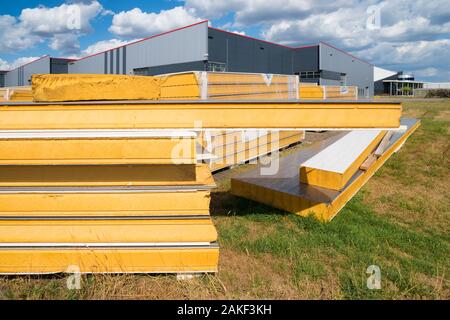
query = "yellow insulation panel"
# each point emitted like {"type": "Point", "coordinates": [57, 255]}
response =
{"type": "Point", "coordinates": [311, 92]}
{"type": "Point", "coordinates": [131, 260]}
{"type": "Point", "coordinates": [219, 114]}
{"type": "Point", "coordinates": [234, 144]}
{"type": "Point", "coordinates": [179, 86]}
{"type": "Point", "coordinates": [252, 153]}
{"type": "Point", "coordinates": [104, 203]}
{"type": "Point", "coordinates": [337, 92]}
{"type": "Point", "coordinates": [337, 180]}
{"type": "Point", "coordinates": [81, 87]}
{"type": "Point", "coordinates": [16, 94]}
{"type": "Point", "coordinates": [109, 175]}
{"type": "Point", "coordinates": [303, 206]}
{"type": "Point", "coordinates": [107, 231]}
{"type": "Point", "coordinates": [245, 78]}
{"type": "Point", "coordinates": [263, 145]}
{"type": "Point", "coordinates": [97, 151]}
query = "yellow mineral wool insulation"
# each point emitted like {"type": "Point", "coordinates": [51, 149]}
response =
{"type": "Point", "coordinates": [334, 166]}
{"type": "Point", "coordinates": [189, 114]}
{"type": "Point", "coordinates": [107, 175]}
{"type": "Point", "coordinates": [53, 147]}
{"type": "Point", "coordinates": [82, 87]}
{"type": "Point", "coordinates": [106, 231]}
{"type": "Point", "coordinates": [107, 260]}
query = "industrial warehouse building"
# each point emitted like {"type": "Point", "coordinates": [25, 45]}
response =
{"type": "Point", "coordinates": [21, 76]}
{"type": "Point", "coordinates": [199, 47]}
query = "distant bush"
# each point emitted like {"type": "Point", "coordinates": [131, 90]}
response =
{"type": "Point", "coordinates": [438, 93]}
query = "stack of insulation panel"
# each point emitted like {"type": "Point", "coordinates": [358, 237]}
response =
{"type": "Point", "coordinates": [313, 91]}
{"type": "Point", "coordinates": [227, 86]}
{"type": "Point", "coordinates": [231, 147]}
{"type": "Point", "coordinates": [228, 148]}
{"type": "Point", "coordinates": [114, 186]}
{"type": "Point", "coordinates": [131, 200]}
{"type": "Point", "coordinates": [16, 94]}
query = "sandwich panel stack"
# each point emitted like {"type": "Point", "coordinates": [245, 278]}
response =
{"type": "Point", "coordinates": [16, 94]}
{"type": "Point", "coordinates": [227, 86]}
{"type": "Point", "coordinates": [228, 148]}
{"type": "Point", "coordinates": [340, 92]}
{"type": "Point", "coordinates": [231, 147]}
{"type": "Point", "coordinates": [312, 91]}
{"type": "Point", "coordinates": [104, 201]}
{"type": "Point", "coordinates": [330, 188]}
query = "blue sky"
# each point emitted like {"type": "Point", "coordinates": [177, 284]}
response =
{"type": "Point", "coordinates": [395, 34]}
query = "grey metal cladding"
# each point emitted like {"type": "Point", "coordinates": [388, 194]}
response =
{"type": "Point", "coordinates": [41, 66]}
{"type": "Point", "coordinates": [183, 45]}
{"type": "Point", "coordinates": [106, 62]}
{"type": "Point", "coordinates": [118, 61]}
{"type": "Point", "coordinates": [21, 76]}
{"type": "Point", "coordinates": [93, 64]}
{"type": "Point", "coordinates": [306, 59]}
{"type": "Point", "coordinates": [242, 54]}
{"type": "Point", "coordinates": [124, 60]}
{"type": "Point", "coordinates": [12, 78]}
{"type": "Point", "coordinates": [111, 62]}
{"type": "Point", "coordinates": [358, 72]}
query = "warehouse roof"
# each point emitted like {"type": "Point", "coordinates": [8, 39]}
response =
{"type": "Point", "coordinates": [191, 25]}
{"type": "Point", "coordinates": [35, 60]}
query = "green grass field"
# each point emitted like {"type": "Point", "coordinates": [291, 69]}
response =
{"type": "Point", "coordinates": [399, 221]}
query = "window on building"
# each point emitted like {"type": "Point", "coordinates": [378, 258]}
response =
{"type": "Point", "coordinates": [343, 79]}
{"type": "Point", "coordinates": [309, 74]}
{"type": "Point", "coordinates": [216, 67]}
{"type": "Point", "coordinates": [141, 71]}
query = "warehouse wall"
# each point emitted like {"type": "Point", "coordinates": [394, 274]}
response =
{"type": "Point", "coordinates": [171, 68]}
{"type": "Point", "coordinates": [243, 54]}
{"type": "Point", "coordinates": [359, 73]}
{"type": "Point", "coordinates": [94, 64]}
{"type": "Point", "coordinates": [306, 59]}
{"type": "Point", "coordinates": [184, 45]}
{"type": "Point", "coordinates": [21, 76]}
{"type": "Point", "coordinates": [59, 66]}
{"type": "Point", "coordinates": [2, 79]}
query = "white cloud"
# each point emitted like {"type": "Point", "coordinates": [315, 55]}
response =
{"type": "Point", "coordinates": [63, 19]}
{"type": "Point", "coordinates": [62, 25]}
{"type": "Point", "coordinates": [263, 11]}
{"type": "Point", "coordinates": [214, 9]}
{"type": "Point", "coordinates": [4, 65]}
{"type": "Point", "coordinates": [427, 72]}
{"type": "Point", "coordinates": [67, 43]}
{"type": "Point", "coordinates": [135, 23]}
{"type": "Point", "coordinates": [417, 53]}
{"type": "Point", "coordinates": [104, 45]}
{"type": "Point", "coordinates": [13, 37]}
